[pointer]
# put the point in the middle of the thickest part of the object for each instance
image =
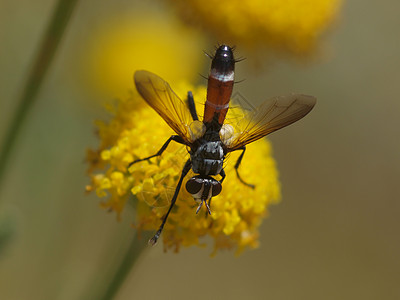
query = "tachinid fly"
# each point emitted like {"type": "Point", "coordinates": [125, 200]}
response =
{"type": "Point", "coordinates": [210, 140]}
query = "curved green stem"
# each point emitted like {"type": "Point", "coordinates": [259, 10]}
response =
{"type": "Point", "coordinates": [50, 42]}
{"type": "Point", "coordinates": [133, 253]}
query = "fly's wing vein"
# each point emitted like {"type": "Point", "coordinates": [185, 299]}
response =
{"type": "Point", "coordinates": [270, 116]}
{"type": "Point", "coordinates": [159, 95]}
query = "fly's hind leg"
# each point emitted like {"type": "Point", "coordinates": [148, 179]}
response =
{"type": "Point", "coordinates": [175, 138]}
{"type": "Point", "coordinates": [192, 106]}
{"type": "Point", "coordinates": [237, 166]}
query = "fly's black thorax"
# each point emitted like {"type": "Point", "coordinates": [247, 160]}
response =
{"type": "Point", "coordinates": [207, 154]}
{"type": "Point", "coordinates": [208, 157]}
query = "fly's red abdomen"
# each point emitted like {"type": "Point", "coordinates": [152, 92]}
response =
{"type": "Point", "coordinates": [220, 84]}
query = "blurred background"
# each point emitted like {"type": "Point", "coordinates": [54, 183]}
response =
{"type": "Point", "coordinates": [335, 234]}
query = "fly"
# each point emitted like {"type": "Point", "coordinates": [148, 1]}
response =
{"type": "Point", "coordinates": [210, 140]}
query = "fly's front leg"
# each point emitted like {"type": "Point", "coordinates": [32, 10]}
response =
{"type": "Point", "coordinates": [237, 166]}
{"type": "Point", "coordinates": [185, 170]}
{"type": "Point", "coordinates": [175, 138]}
{"type": "Point", "coordinates": [223, 175]}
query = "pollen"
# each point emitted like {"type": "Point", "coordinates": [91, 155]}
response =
{"type": "Point", "coordinates": [136, 131]}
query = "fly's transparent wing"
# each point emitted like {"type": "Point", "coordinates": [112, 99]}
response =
{"type": "Point", "coordinates": [270, 116]}
{"type": "Point", "coordinates": [158, 190]}
{"type": "Point", "coordinates": [159, 95]}
{"type": "Point", "coordinates": [156, 193]}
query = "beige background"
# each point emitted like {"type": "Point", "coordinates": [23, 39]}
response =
{"type": "Point", "coordinates": [334, 236]}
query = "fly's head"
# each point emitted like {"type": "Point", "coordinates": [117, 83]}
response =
{"type": "Point", "coordinates": [203, 188]}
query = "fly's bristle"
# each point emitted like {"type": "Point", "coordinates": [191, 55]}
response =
{"type": "Point", "coordinates": [202, 76]}
{"type": "Point", "coordinates": [240, 81]}
{"type": "Point", "coordinates": [239, 59]}
{"type": "Point", "coordinates": [208, 54]}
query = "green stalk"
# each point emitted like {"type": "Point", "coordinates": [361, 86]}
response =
{"type": "Point", "coordinates": [50, 42]}
{"type": "Point", "coordinates": [133, 253]}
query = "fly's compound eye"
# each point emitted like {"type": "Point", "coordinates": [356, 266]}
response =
{"type": "Point", "coordinates": [194, 185]}
{"type": "Point", "coordinates": [216, 188]}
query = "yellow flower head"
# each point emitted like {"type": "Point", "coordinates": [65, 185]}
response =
{"type": "Point", "coordinates": [136, 131]}
{"type": "Point", "coordinates": [291, 26]}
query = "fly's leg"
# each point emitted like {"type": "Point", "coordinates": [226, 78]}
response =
{"type": "Point", "coordinates": [208, 210]}
{"type": "Point", "coordinates": [192, 106]}
{"type": "Point", "coordinates": [237, 166]}
{"type": "Point", "coordinates": [223, 175]}
{"type": "Point", "coordinates": [175, 138]}
{"type": "Point", "coordinates": [185, 170]}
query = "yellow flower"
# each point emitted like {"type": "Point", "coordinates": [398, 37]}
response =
{"type": "Point", "coordinates": [148, 40]}
{"type": "Point", "coordinates": [136, 131]}
{"type": "Point", "coordinates": [292, 26]}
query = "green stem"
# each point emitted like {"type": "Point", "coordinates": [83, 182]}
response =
{"type": "Point", "coordinates": [133, 253]}
{"type": "Point", "coordinates": [50, 42]}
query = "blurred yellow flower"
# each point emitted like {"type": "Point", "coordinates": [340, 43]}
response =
{"type": "Point", "coordinates": [136, 131]}
{"type": "Point", "coordinates": [148, 40]}
{"type": "Point", "coordinates": [291, 26]}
